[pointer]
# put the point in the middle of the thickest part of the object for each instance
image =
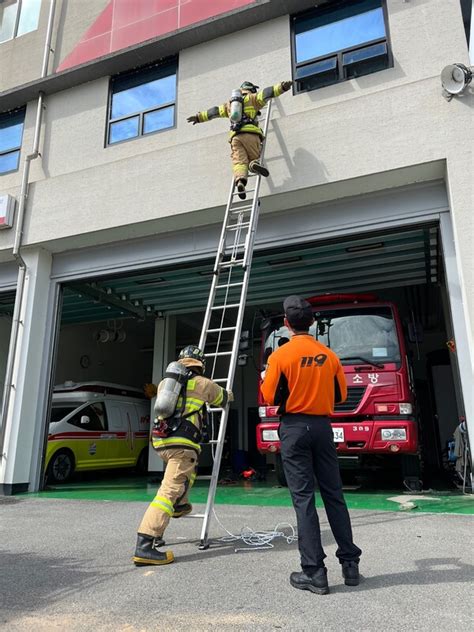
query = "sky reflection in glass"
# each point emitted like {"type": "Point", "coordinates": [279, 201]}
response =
{"type": "Point", "coordinates": [11, 131]}
{"type": "Point", "coordinates": [9, 162]}
{"type": "Point", "coordinates": [339, 35]}
{"type": "Point", "coordinates": [144, 96]}
{"type": "Point", "coordinates": [161, 119]}
{"type": "Point", "coordinates": [124, 129]}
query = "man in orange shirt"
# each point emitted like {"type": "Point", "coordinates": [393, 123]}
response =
{"type": "Point", "coordinates": [306, 379]}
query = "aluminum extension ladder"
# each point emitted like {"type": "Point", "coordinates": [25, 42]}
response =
{"type": "Point", "coordinates": [222, 326]}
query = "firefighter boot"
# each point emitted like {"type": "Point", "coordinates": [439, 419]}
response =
{"type": "Point", "coordinates": [256, 167]}
{"type": "Point", "coordinates": [350, 572]}
{"type": "Point", "coordinates": [241, 188]}
{"type": "Point", "coordinates": [147, 551]}
{"type": "Point", "coordinates": [181, 510]}
{"type": "Point", "coordinates": [316, 583]}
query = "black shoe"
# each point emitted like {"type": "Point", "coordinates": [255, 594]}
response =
{"type": "Point", "coordinates": [316, 583]}
{"type": "Point", "coordinates": [256, 167]}
{"type": "Point", "coordinates": [147, 551]}
{"type": "Point", "coordinates": [350, 572]}
{"type": "Point", "coordinates": [241, 189]}
{"type": "Point", "coordinates": [181, 510]}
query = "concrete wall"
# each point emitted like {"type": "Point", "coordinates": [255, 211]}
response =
{"type": "Point", "coordinates": [22, 57]}
{"type": "Point", "coordinates": [341, 134]}
{"type": "Point", "coordinates": [128, 363]}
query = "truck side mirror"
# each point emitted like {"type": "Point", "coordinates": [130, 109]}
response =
{"type": "Point", "coordinates": [85, 420]}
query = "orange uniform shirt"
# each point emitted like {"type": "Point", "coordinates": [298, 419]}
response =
{"type": "Point", "coordinates": [304, 376]}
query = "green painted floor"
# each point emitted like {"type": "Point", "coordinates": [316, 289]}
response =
{"type": "Point", "coordinates": [260, 494]}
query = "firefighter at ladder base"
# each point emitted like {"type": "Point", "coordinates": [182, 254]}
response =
{"type": "Point", "coordinates": [245, 134]}
{"type": "Point", "coordinates": [180, 411]}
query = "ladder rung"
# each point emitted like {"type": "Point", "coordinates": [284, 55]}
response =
{"type": "Point", "coordinates": [236, 284]}
{"type": "Point", "coordinates": [235, 226]}
{"type": "Point", "coordinates": [219, 380]}
{"type": "Point", "coordinates": [204, 477]}
{"type": "Point", "coordinates": [229, 264]}
{"type": "Point", "coordinates": [219, 329]}
{"type": "Point", "coordinates": [213, 440]}
{"type": "Point", "coordinates": [246, 191]}
{"type": "Point", "coordinates": [226, 306]}
{"type": "Point", "coordinates": [216, 354]}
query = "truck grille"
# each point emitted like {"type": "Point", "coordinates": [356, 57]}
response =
{"type": "Point", "coordinates": [354, 396]}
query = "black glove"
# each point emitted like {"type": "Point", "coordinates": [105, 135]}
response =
{"type": "Point", "coordinates": [193, 119]}
{"type": "Point", "coordinates": [286, 85]}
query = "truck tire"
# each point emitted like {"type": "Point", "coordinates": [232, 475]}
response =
{"type": "Point", "coordinates": [61, 467]}
{"type": "Point", "coordinates": [280, 472]}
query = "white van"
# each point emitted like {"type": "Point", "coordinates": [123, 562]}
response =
{"type": "Point", "coordinates": [96, 426]}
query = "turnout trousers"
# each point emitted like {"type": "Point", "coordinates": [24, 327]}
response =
{"type": "Point", "coordinates": [179, 476]}
{"type": "Point", "coordinates": [244, 148]}
{"type": "Point", "coordinates": [308, 452]}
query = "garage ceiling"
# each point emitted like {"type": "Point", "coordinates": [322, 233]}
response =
{"type": "Point", "coordinates": [379, 261]}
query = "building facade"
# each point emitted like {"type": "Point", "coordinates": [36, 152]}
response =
{"type": "Point", "coordinates": [108, 183]}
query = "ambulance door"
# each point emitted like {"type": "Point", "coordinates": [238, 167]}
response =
{"type": "Point", "coordinates": [119, 447]}
{"type": "Point", "coordinates": [130, 421]}
{"type": "Point", "coordinates": [85, 433]}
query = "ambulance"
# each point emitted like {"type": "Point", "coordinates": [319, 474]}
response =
{"type": "Point", "coordinates": [96, 426]}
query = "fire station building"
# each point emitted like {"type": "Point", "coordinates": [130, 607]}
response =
{"type": "Point", "coordinates": [111, 203]}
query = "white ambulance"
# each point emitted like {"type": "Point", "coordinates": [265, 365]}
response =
{"type": "Point", "coordinates": [96, 426]}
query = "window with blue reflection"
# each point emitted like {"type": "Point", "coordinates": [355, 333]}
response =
{"type": "Point", "coordinates": [347, 32]}
{"type": "Point", "coordinates": [142, 102]}
{"type": "Point", "coordinates": [11, 133]}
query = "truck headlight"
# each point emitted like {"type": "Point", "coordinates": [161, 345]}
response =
{"type": "Point", "coordinates": [270, 435]}
{"type": "Point", "coordinates": [406, 409]}
{"type": "Point", "coordinates": [394, 434]}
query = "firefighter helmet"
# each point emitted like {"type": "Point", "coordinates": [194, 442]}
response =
{"type": "Point", "coordinates": [249, 86]}
{"type": "Point", "coordinates": [194, 353]}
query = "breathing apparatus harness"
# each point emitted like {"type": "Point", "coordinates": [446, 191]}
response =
{"type": "Point", "coordinates": [238, 118]}
{"type": "Point", "coordinates": [178, 423]}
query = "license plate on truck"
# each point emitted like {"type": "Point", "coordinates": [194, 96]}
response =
{"type": "Point", "coordinates": [338, 435]}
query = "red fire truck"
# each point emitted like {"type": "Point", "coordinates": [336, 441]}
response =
{"type": "Point", "coordinates": [378, 418]}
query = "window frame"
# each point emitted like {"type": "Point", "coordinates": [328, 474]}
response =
{"type": "Point", "coordinates": [15, 149]}
{"type": "Point", "coordinates": [17, 22]}
{"type": "Point", "coordinates": [82, 411]}
{"type": "Point", "coordinates": [170, 61]}
{"type": "Point", "coordinates": [339, 53]}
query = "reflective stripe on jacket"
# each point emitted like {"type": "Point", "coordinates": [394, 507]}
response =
{"type": "Point", "coordinates": [251, 107]}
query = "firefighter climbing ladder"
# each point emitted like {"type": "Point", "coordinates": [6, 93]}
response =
{"type": "Point", "coordinates": [221, 332]}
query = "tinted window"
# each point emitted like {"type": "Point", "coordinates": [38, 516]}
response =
{"type": "Point", "coordinates": [142, 102]}
{"type": "Point", "coordinates": [96, 414]}
{"type": "Point", "coordinates": [339, 41]}
{"type": "Point", "coordinates": [59, 412]}
{"type": "Point", "coordinates": [11, 133]}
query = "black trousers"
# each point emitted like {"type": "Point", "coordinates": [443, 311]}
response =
{"type": "Point", "coordinates": [308, 451]}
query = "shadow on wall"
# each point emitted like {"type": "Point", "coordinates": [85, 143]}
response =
{"type": "Point", "coordinates": [300, 166]}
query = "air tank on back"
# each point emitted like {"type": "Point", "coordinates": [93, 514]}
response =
{"type": "Point", "coordinates": [236, 101]}
{"type": "Point", "coordinates": [170, 389]}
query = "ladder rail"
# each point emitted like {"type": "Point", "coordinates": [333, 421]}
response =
{"type": "Point", "coordinates": [245, 265]}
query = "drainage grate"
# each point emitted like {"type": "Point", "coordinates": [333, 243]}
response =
{"type": "Point", "coordinates": [354, 396]}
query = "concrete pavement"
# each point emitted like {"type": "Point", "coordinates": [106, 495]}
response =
{"type": "Point", "coordinates": [65, 565]}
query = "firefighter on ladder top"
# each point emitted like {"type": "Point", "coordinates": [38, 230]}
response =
{"type": "Point", "coordinates": [246, 136]}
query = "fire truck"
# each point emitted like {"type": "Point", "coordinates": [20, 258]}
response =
{"type": "Point", "coordinates": [378, 419]}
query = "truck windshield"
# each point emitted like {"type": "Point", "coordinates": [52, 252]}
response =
{"type": "Point", "coordinates": [358, 334]}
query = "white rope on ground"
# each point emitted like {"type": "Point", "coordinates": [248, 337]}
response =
{"type": "Point", "coordinates": [258, 540]}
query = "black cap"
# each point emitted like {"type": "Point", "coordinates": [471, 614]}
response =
{"type": "Point", "coordinates": [298, 312]}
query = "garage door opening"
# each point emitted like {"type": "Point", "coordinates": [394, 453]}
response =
{"type": "Point", "coordinates": [116, 332]}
